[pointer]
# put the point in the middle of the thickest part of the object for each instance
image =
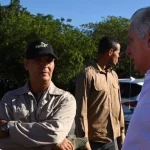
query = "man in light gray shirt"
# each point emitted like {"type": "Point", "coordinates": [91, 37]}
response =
{"type": "Point", "coordinates": [38, 115]}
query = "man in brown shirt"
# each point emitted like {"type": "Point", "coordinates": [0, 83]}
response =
{"type": "Point", "coordinates": [99, 111]}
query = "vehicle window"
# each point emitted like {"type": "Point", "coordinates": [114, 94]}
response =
{"type": "Point", "coordinates": [129, 89]}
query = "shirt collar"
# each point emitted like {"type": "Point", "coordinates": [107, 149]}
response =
{"type": "Point", "coordinates": [108, 69]}
{"type": "Point", "coordinates": [52, 89]}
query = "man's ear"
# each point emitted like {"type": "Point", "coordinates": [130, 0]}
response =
{"type": "Point", "coordinates": [25, 64]}
{"type": "Point", "coordinates": [111, 51]}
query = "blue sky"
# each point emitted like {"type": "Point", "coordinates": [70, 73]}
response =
{"type": "Point", "coordinates": [83, 11]}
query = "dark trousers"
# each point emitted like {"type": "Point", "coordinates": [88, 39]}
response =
{"type": "Point", "coordinates": [103, 146]}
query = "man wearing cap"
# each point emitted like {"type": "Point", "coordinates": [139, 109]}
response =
{"type": "Point", "coordinates": [38, 115]}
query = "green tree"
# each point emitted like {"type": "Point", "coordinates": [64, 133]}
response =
{"type": "Point", "coordinates": [18, 26]}
{"type": "Point", "coordinates": [117, 27]}
{"type": "Point", "coordinates": [74, 46]}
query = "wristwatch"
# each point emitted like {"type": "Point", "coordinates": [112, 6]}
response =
{"type": "Point", "coordinates": [5, 127]}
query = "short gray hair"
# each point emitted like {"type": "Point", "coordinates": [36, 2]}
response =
{"type": "Point", "coordinates": [141, 21]}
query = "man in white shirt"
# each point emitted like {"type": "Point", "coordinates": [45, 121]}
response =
{"type": "Point", "coordinates": [138, 48]}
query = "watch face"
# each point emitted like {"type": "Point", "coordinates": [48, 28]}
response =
{"type": "Point", "coordinates": [4, 127]}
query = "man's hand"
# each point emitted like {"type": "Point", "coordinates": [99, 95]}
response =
{"type": "Point", "coordinates": [64, 145]}
{"type": "Point", "coordinates": [120, 146]}
{"type": "Point", "coordinates": [2, 122]}
{"type": "Point", "coordinates": [87, 146]}
{"type": "Point", "coordinates": [2, 133]}
{"type": "Point", "coordinates": [120, 141]}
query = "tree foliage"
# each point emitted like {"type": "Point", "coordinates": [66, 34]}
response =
{"type": "Point", "coordinates": [18, 26]}
{"type": "Point", "coordinates": [117, 27]}
{"type": "Point", "coordinates": [74, 46]}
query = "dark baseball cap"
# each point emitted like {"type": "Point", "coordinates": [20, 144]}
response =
{"type": "Point", "coordinates": [38, 48]}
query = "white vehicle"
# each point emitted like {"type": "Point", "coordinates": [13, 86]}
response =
{"type": "Point", "coordinates": [130, 91]}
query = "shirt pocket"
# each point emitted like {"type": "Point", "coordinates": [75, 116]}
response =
{"type": "Point", "coordinates": [115, 91]}
{"type": "Point", "coordinates": [21, 114]}
{"type": "Point", "coordinates": [116, 100]}
{"type": "Point", "coordinates": [99, 83]}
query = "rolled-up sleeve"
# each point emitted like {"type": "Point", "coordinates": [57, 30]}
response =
{"type": "Point", "coordinates": [51, 131]}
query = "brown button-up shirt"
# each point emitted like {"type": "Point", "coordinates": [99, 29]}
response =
{"type": "Point", "coordinates": [99, 111]}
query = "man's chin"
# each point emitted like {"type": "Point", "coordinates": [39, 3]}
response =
{"type": "Point", "coordinates": [45, 79]}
